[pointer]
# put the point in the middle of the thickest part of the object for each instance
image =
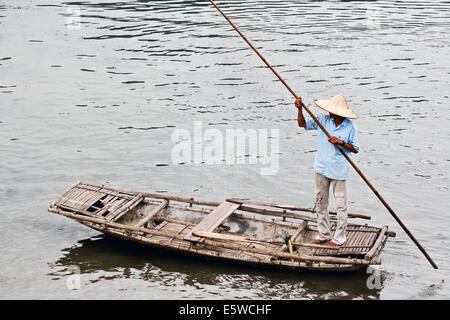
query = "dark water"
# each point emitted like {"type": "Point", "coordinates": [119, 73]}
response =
{"type": "Point", "coordinates": [93, 91]}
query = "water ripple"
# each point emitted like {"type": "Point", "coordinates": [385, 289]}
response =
{"type": "Point", "coordinates": [93, 90]}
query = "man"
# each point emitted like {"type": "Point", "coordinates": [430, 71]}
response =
{"type": "Point", "coordinates": [330, 165]}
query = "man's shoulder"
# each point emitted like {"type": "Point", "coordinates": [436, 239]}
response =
{"type": "Point", "coordinates": [323, 118]}
{"type": "Point", "coordinates": [349, 123]}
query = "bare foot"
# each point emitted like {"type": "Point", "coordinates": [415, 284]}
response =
{"type": "Point", "coordinates": [332, 244]}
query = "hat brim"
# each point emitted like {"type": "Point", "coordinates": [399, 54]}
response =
{"type": "Point", "coordinates": [324, 105]}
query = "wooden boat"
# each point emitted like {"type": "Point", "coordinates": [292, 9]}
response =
{"type": "Point", "coordinates": [235, 230]}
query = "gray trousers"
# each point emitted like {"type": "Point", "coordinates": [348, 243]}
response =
{"type": "Point", "coordinates": [339, 190]}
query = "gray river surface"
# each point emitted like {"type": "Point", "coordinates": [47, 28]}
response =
{"type": "Point", "coordinates": [96, 90]}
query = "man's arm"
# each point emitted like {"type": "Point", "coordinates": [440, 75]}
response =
{"type": "Point", "coordinates": [300, 118]}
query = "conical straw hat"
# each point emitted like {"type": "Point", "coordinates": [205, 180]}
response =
{"type": "Point", "coordinates": [337, 105]}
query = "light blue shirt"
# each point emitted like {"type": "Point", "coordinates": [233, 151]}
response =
{"type": "Point", "coordinates": [329, 161]}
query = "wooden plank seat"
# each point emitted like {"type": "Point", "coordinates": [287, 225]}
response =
{"type": "Point", "coordinates": [212, 220]}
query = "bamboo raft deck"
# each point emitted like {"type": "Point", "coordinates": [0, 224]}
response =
{"type": "Point", "coordinates": [224, 230]}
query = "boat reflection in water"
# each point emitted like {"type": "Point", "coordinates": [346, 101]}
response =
{"type": "Point", "coordinates": [105, 258]}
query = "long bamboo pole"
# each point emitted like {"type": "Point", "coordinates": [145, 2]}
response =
{"type": "Point", "coordinates": [329, 136]}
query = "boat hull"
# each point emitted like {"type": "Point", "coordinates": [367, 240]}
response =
{"type": "Point", "coordinates": [289, 266]}
{"type": "Point", "coordinates": [224, 231]}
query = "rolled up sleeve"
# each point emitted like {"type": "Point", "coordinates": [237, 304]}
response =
{"type": "Point", "coordinates": [310, 124]}
{"type": "Point", "coordinates": [353, 138]}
